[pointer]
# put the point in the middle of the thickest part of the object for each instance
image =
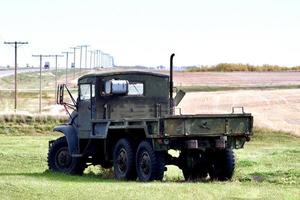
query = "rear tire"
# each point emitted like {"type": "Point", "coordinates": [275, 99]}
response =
{"type": "Point", "coordinates": [60, 160]}
{"type": "Point", "coordinates": [124, 160]}
{"type": "Point", "coordinates": [222, 165]}
{"type": "Point", "coordinates": [194, 165]}
{"type": "Point", "coordinates": [194, 174]}
{"type": "Point", "coordinates": [150, 165]}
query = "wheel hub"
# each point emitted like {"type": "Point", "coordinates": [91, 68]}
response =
{"type": "Point", "coordinates": [145, 163]}
{"type": "Point", "coordinates": [63, 158]}
{"type": "Point", "coordinates": [122, 161]}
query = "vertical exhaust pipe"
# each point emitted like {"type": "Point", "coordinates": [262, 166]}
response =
{"type": "Point", "coordinates": [171, 83]}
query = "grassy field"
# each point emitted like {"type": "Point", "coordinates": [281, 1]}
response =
{"type": "Point", "coordinates": [28, 90]}
{"type": "Point", "coordinates": [268, 168]}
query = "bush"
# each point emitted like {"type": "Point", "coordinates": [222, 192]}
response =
{"type": "Point", "coordinates": [232, 67]}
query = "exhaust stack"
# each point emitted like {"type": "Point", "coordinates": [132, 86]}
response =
{"type": "Point", "coordinates": [171, 83]}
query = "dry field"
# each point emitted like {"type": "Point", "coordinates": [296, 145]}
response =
{"type": "Point", "coordinates": [276, 109]}
{"type": "Point", "coordinates": [236, 78]}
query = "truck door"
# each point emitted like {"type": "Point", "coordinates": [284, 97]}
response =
{"type": "Point", "coordinates": [86, 108]}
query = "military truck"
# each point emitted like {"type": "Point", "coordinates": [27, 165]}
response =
{"type": "Point", "coordinates": [126, 120]}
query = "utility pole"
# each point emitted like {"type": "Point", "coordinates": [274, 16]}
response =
{"type": "Point", "coordinates": [91, 59]}
{"type": "Point", "coordinates": [40, 92]}
{"type": "Point", "coordinates": [104, 60]}
{"type": "Point", "coordinates": [41, 61]}
{"type": "Point", "coordinates": [108, 60]}
{"type": "Point", "coordinates": [15, 44]}
{"type": "Point", "coordinates": [112, 61]}
{"type": "Point", "coordinates": [80, 60]}
{"type": "Point", "coordinates": [95, 52]}
{"type": "Point", "coordinates": [74, 52]}
{"type": "Point", "coordinates": [67, 63]}
{"type": "Point", "coordinates": [80, 47]}
{"type": "Point", "coordinates": [99, 56]}
{"type": "Point", "coordinates": [55, 90]}
{"type": "Point", "coordinates": [86, 47]}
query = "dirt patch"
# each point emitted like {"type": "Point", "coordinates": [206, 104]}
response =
{"type": "Point", "coordinates": [276, 109]}
{"type": "Point", "coordinates": [236, 78]}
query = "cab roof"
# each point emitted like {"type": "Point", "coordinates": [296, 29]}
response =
{"type": "Point", "coordinates": [112, 73]}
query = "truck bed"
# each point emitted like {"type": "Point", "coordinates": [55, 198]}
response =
{"type": "Point", "coordinates": [208, 125]}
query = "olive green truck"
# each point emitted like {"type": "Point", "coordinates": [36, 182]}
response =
{"type": "Point", "coordinates": [126, 121]}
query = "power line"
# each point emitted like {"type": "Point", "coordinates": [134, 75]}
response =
{"type": "Point", "coordinates": [15, 45]}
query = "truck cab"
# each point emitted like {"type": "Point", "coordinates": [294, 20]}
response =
{"type": "Point", "coordinates": [120, 96]}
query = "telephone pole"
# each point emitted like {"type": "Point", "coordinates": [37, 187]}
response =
{"type": "Point", "coordinates": [55, 90]}
{"type": "Point", "coordinates": [41, 61]}
{"type": "Point", "coordinates": [86, 50]}
{"type": "Point", "coordinates": [91, 59]}
{"type": "Point", "coordinates": [74, 52]}
{"type": "Point", "coordinates": [80, 47]}
{"type": "Point", "coordinates": [95, 52]}
{"type": "Point", "coordinates": [67, 63]}
{"type": "Point", "coordinates": [112, 61]}
{"type": "Point", "coordinates": [96, 59]}
{"type": "Point", "coordinates": [99, 58]}
{"type": "Point", "coordinates": [15, 45]}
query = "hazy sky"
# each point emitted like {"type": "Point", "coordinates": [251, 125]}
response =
{"type": "Point", "coordinates": [140, 32]}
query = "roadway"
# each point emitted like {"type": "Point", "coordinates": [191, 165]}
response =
{"type": "Point", "coordinates": [10, 72]}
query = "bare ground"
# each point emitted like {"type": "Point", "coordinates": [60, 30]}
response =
{"type": "Point", "coordinates": [276, 109]}
{"type": "Point", "coordinates": [236, 78]}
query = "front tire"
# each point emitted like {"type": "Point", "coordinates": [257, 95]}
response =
{"type": "Point", "coordinates": [124, 160]}
{"type": "Point", "coordinates": [60, 160]}
{"type": "Point", "coordinates": [149, 164]}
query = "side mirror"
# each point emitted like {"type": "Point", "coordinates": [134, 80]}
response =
{"type": "Point", "coordinates": [116, 87]}
{"type": "Point", "coordinates": [60, 94]}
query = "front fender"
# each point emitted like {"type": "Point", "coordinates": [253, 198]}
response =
{"type": "Point", "coordinates": [71, 135]}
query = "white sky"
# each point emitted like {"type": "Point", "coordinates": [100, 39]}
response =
{"type": "Point", "coordinates": [140, 32]}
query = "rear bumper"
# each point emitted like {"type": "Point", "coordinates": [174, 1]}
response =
{"type": "Point", "coordinates": [202, 143]}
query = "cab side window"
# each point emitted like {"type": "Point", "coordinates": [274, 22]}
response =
{"type": "Point", "coordinates": [87, 91]}
{"type": "Point", "coordinates": [135, 89]}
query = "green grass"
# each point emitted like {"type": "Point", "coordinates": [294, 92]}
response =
{"type": "Point", "coordinates": [268, 168]}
